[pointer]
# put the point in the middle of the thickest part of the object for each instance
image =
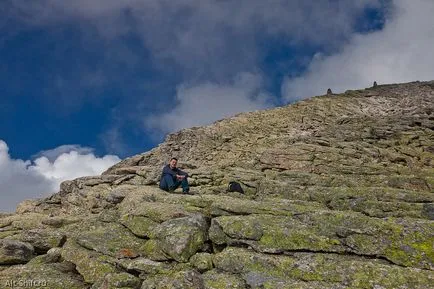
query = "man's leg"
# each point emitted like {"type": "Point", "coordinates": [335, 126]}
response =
{"type": "Point", "coordinates": [163, 184]}
{"type": "Point", "coordinates": [172, 183]}
{"type": "Point", "coordinates": [185, 186]}
{"type": "Point", "coordinates": [175, 185]}
{"type": "Point", "coordinates": [167, 183]}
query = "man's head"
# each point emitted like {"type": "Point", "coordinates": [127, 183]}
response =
{"type": "Point", "coordinates": [173, 162]}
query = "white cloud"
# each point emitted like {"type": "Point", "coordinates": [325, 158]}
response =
{"type": "Point", "coordinates": [21, 179]}
{"type": "Point", "coordinates": [204, 103]}
{"type": "Point", "coordinates": [53, 154]}
{"type": "Point", "coordinates": [72, 165]}
{"type": "Point", "coordinates": [401, 52]}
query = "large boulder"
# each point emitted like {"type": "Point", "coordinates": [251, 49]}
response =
{"type": "Point", "coordinates": [42, 240]}
{"type": "Point", "coordinates": [181, 238]}
{"type": "Point", "coordinates": [91, 265]}
{"type": "Point", "coordinates": [324, 270]}
{"type": "Point", "coordinates": [53, 276]}
{"type": "Point", "coordinates": [15, 252]}
{"type": "Point", "coordinates": [111, 239]}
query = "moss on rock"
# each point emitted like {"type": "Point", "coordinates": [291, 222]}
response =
{"type": "Point", "coordinates": [183, 237]}
{"type": "Point", "coordinates": [118, 280]}
{"type": "Point", "coordinates": [154, 251]}
{"type": "Point", "coordinates": [187, 279]}
{"type": "Point", "coordinates": [111, 239]}
{"type": "Point", "coordinates": [91, 265]}
{"type": "Point", "coordinates": [350, 271]}
{"type": "Point", "coordinates": [218, 280]}
{"type": "Point", "coordinates": [138, 225]}
{"type": "Point", "coordinates": [52, 276]}
{"type": "Point", "coordinates": [202, 262]}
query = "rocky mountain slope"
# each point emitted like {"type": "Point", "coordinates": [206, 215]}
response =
{"type": "Point", "coordinates": [339, 194]}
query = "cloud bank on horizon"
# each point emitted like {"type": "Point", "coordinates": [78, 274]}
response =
{"type": "Point", "coordinates": [400, 52]}
{"type": "Point", "coordinates": [24, 179]}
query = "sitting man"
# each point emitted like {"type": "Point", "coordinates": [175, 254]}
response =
{"type": "Point", "coordinates": [172, 178]}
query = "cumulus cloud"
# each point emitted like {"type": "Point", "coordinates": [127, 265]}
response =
{"type": "Point", "coordinates": [207, 102]}
{"type": "Point", "coordinates": [24, 179]}
{"type": "Point", "coordinates": [53, 154]}
{"type": "Point", "coordinates": [400, 52]}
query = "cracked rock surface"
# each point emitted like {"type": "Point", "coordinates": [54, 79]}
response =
{"type": "Point", "coordinates": [339, 193]}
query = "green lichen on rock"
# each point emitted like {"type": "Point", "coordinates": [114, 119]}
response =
{"type": "Point", "coordinates": [331, 268]}
{"type": "Point", "coordinates": [138, 225]}
{"type": "Point", "coordinates": [52, 256]}
{"type": "Point", "coordinates": [41, 239]}
{"type": "Point", "coordinates": [401, 242]}
{"type": "Point", "coordinates": [154, 251]}
{"type": "Point", "coordinates": [218, 280]}
{"type": "Point", "coordinates": [186, 279]}
{"type": "Point", "coordinates": [53, 276]}
{"type": "Point", "coordinates": [111, 239]}
{"type": "Point", "coordinates": [8, 233]}
{"type": "Point", "coordinates": [238, 227]}
{"type": "Point", "coordinates": [57, 222]}
{"type": "Point", "coordinates": [118, 280]}
{"type": "Point", "coordinates": [5, 222]}
{"type": "Point", "coordinates": [91, 265]}
{"type": "Point", "coordinates": [156, 211]}
{"type": "Point", "coordinates": [202, 261]}
{"type": "Point", "coordinates": [412, 251]}
{"type": "Point", "coordinates": [27, 221]}
{"type": "Point", "coordinates": [146, 266]}
{"type": "Point", "coordinates": [182, 237]}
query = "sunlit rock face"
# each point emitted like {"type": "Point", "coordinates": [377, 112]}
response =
{"type": "Point", "coordinates": [338, 194]}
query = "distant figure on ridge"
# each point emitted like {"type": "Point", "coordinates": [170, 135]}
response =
{"type": "Point", "coordinates": [172, 178]}
{"type": "Point", "coordinates": [329, 91]}
{"type": "Point", "coordinates": [375, 84]}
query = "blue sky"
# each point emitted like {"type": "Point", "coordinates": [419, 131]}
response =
{"type": "Point", "coordinates": [111, 78]}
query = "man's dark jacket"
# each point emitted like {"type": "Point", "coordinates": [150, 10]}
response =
{"type": "Point", "coordinates": [167, 170]}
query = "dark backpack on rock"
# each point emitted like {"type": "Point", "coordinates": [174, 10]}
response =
{"type": "Point", "coordinates": [235, 187]}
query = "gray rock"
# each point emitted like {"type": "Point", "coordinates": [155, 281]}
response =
{"type": "Point", "coordinates": [190, 279]}
{"type": "Point", "coordinates": [181, 238]}
{"type": "Point", "coordinates": [118, 280]}
{"type": "Point", "coordinates": [202, 261]}
{"type": "Point", "coordinates": [428, 210]}
{"type": "Point", "coordinates": [115, 197]}
{"type": "Point", "coordinates": [216, 279]}
{"type": "Point", "coordinates": [111, 239]}
{"type": "Point", "coordinates": [15, 252]}
{"type": "Point", "coordinates": [41, 240]}
{"type": "Point", "coordinates": [145, 265]}
{"type": "Point", "coordinates": [52, 276]}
